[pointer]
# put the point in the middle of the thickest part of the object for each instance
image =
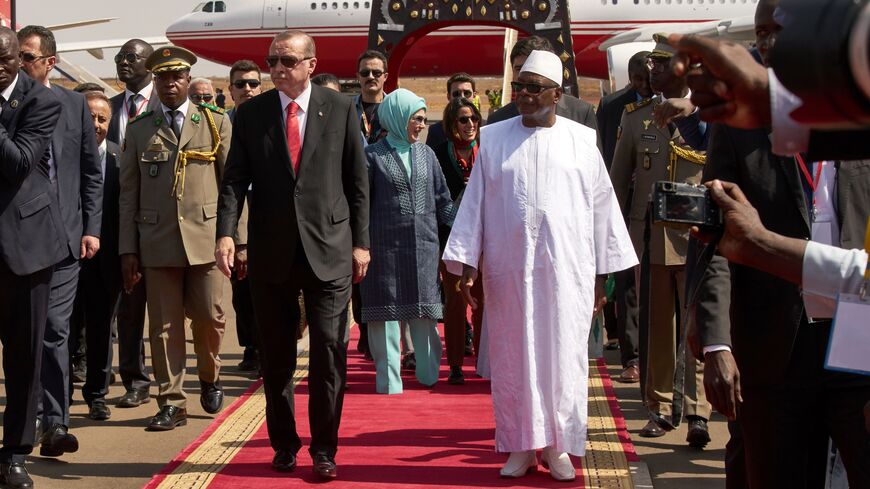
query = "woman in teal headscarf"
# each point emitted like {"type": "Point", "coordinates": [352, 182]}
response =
{"type": "Point", "coordinates": [409, 198]}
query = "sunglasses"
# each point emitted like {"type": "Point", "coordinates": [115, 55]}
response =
{"type": "Point", "coordinates": [202, 98]}
{"type": "Point", "coordinates": [374, 73]}
{"type": "Point", "coordinates": [240, 84]}
{"type": "Point", "coordinates": [289, 62]}
{"type": "Point", "coordinates": [462, 93]}
{"type": "Point", "coordinates": [30, 57]}
{"type": "Point", "coordinates": [464, 119]}
{"type": "Point", "coordinates": [128, 57]}
{"type": "Point", "coordinates": [530, 88]}
{"type": "Point", "coordinates": [420, 120]}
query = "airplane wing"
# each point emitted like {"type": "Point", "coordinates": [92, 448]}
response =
{"type": "Point", "coordinates": [81, 23]}
{"type": "Point", "coordinates": [737, 29]}
{"type": "Point", "coordinates": [95, 48]}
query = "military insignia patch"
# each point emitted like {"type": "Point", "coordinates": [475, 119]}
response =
{"type": "Point", "coordinates": [153, 170]}
{"type": "Point", "coordinates": [158, 121]}
{"type": "Point", "coordinates": [195, 118]}
{"type": "Point", "coordinates": [166, 53]}
{"type": "Point", "coordinates": [646, 124]}
{"type": "Point", "coordinates": [648, 137]}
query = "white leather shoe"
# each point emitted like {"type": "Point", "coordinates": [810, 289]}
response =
{"type": "Point", "coordinates": [559, 464]}
{"type": "Point", "coordinates": [519, 464]}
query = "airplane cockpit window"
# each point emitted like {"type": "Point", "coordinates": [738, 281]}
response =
{"type": "Point", "coordinates": [209, 7]}
{"type": "Point", "coordinates": [220, 7]}
{"type": "Point", "coordinates": [198, 7]}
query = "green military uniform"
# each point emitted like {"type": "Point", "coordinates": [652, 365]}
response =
{"type": "Point", "coordinates": [168, 209]}
{"type": "Point", "coordinates": [645, 154]}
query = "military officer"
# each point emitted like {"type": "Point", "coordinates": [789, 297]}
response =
{"type": "Point", "coordinates": [646, 154]}
{"type": "Point", "coordinates": [171, 165]}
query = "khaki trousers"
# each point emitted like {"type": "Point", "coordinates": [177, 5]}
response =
{"type": "Point", "coordinates": [667, 284]}
{"type": "Point", "coordinates": [173, 294]}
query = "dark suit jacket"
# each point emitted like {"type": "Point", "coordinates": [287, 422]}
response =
{"type": "Point", "coordinates": [609, 114]}
{"type": "Point", "coordinates": [31, 229]}
{"type": "Point", "coordinates": [114, 134]}
{"type": "Point", "coordinates": [325, 208]}
{"type": "Point", "coordinates": [839, 145]}
{"type": "Point", "coordinates": [766, 311]}
{"type": "Point", "coordinates": [435, 135]}
{"type": "Point", "coordinates": [77, 161]}
{"type": "Point", "coordinates": [107, 257]}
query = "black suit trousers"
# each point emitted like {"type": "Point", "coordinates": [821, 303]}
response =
{"type": "Point", "coordinates": [276, 307]}
{"type": "Point", "coordinates": [95, 306]}
{"type": "Point", "coordinates": [246, 324]}
{"type": "Point", "coordinates": [786, 426]}
{"type": "Point", "coordinates": [23, 312]}
{"type": "Point", "coordinates": [131, 341]}
{"type": "Point", "coordinates": [626, 317]}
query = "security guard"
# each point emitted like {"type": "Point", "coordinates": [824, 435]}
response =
{"type": "Point", "coordinates": [646, 154]}
{"type": "Point", "coordinates": [171, 166]}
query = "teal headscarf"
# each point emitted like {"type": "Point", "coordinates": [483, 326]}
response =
{"type": "Point", "coordinates": [394, 113]}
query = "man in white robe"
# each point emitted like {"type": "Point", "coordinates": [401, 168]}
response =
{"type": "Point", "coordinates": [540, 217]}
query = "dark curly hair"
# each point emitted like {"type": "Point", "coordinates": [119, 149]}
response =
{"type": "Point", "coordinates": [451, 114]}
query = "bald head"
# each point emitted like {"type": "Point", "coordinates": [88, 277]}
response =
{"type": "Point", "coordinates": [9, 60]}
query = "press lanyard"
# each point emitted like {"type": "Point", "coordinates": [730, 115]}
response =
{"type": "Point", "coordinates": [813, 182]}
{"type": "Point", "coordinates": [141, 104]}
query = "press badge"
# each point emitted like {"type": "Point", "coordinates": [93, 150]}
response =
{"type": "Point", "coordinates": [850, 332]}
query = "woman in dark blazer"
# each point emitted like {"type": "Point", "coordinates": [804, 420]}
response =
{"type": "Point", "coordinates": [456, 156]}
{"type": "Point", "coordinates": [409, 198]}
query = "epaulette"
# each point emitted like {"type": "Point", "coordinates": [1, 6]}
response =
{"type": "Point", "coordinates": [213, 108]}
{"type": "Point", "coordinates": [141, 116]}
{"type": "Point", "coordinates": [629, 108]}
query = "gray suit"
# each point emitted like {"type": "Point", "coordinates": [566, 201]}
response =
{"type": "Point", "coordinates": [79, 188]}
{"type": "Point", "coordinates": [31, 242]}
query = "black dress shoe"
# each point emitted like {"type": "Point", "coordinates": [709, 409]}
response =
{"type": "Point", "coordinates": [211, 397]}
{"type": "Point", "coordinates": [133, 398]}
{"type": "Point", "coordinates": [456, 377]}
{"type": "Point", "coordinates": [409, 362]}
{"type": "Point", "coordinates": [250, 360]}
{"type": "Point", "coordinates": [324, 466]}
{"type": "Point", "coordinates": [99, 411]}
{"type": "Point", "coordinates": [167, 419]}
{"type": "Point", "coordinates": [15, 476]}
{"type": "Point", "coordinates": [698, 435]}
{"type": "Point", "coordinates": [56, 441]}
{"type": "Point", "coordinates": [284, 461]}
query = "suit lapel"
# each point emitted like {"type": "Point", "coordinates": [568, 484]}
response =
{"type": "Point", "coordinates": [275, 129]}
{"type": "Point", "coordinates": [318, 114]}
{"type": "Point", "coordinates": [17, 95]}
{"type": "Point", "coordinates": [189, 127]}
{"type": "Point", "coordinates": [59, 130]}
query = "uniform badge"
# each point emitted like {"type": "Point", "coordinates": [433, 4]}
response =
{"type": "Point", "coordinates": [647, 161]}
{"type": "Point", "coordinates": [13, 103]}
{"type": "Point", "coordinates": [195, 118]}
{"type": "Point", "coordinates": [153, 170]}
{"type": "Point", "coordinates": [618, 133]}
{"type": "Point", "coordinates": [158, 121]}
{"type": "Point", "coordinates": [319, 114]}
{"type": "Point", "coordinates": [648, 137]}
{"type": "Point", "coordinates": [646, 124]}
{"type": "Point", "coordinates": [166, 53]}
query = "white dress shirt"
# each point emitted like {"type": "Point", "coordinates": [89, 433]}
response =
{"type": "Point", "coordinates": [8, 92]}
{"type": "Point", "coordinates": [103, 149]}
{"type": "Point", "coordinates": [140, 107]}
{"type": "Point", "coordinates": [302, 101]}
{"type": "Point", "coordinates": [179, 116]}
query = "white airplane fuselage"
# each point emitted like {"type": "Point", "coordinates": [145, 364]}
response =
{"type": "Point", "coordinates": [244, 29]}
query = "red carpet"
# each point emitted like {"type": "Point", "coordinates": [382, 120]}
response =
{"type": "Point", "coordinates": [423, 437]}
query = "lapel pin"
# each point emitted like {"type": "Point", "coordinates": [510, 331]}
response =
{"type": "Point", "coordinates": [195, 118]}
{"type": "Point", "coordinates": [158, 121]}
{"type": "Point", "coordinates": [646, 124]}
{"type": "Point", "coordinates": [319, 113]}
{"type": "Point", "coordinates": [14, 103]}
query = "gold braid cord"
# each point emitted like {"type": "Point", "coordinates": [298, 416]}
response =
{"type": "Point", "coordinates": [686, 154]}
{"type": "Point", "coordinates": [183, 156]}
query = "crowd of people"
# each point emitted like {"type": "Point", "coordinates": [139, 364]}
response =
{"type": "Point", "coordinates": [305, 200]}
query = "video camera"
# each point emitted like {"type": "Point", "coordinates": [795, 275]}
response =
{"type": "Point", "coordinates": [822, 55]}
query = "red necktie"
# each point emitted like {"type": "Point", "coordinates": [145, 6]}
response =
{"type": "Point", "coordinates": [294, 143]}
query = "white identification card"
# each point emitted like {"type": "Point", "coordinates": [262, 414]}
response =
{"type": "Point", "coordinates": [850, 336]}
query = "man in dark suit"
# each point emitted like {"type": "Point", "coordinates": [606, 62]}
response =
{"type": "Point", "coordinates": [623, 313]}
{"type": "Point", "coordinates": [568, 106]}
{"type": "Point", "coordinates": [32, 240]}
{"type": "Point", "coordinates": [307, 229]}
{"type": "Point", "coordinates": [74, 169]}
{"type": "Point", "coordinates": [138, 98]}
{"type": "Point", "coordinates": [100, 278]}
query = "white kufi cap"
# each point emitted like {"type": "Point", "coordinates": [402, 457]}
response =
{"type": "Point", "coordinates": [544, 63]}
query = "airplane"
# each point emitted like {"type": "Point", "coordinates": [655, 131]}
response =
{"type": "Point", "coordinates": [225, 31]}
